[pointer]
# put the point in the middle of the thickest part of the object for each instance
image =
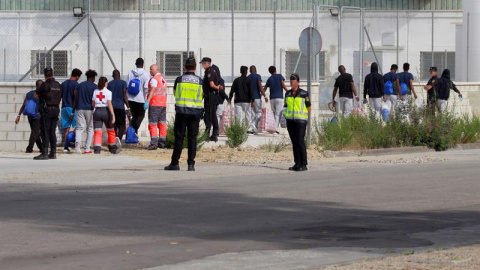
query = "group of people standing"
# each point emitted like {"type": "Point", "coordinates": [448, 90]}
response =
{"type": "Point", "coordinates": [392, 87]}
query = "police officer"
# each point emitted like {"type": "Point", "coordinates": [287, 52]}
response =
{"type": "Point", "coordinates": [188, 92]}
{"type": "Point", "coordinates": [212, 87]}
{"type": "Point", "coordinates": [297, 110]}
{"type": "Point", "coordinates": [431, 89]}
{"type": "Point", "coordinates": [49, 95]}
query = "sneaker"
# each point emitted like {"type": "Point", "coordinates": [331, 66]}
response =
{"type": "Point", "coordinates": [78, 150]}
{"type": "Point", "coordinates": [115, 151]}
{"type": "Point", "coordinates": [214, 138]}
{"type": "Point", "coordinates": [66, 150]}
{"type": "Point", "coordinates": [191, 168]}
{"type": "Point", "coordinates": [152, 147]}
{"type": "Point", "coordinates": [250, 132]}
{"type": "Point", "coordinates": [118, 142]}
{"type": "Point", "coordinates": [172, 168]}
{"type": "Point", "coordinates": [88, 152]}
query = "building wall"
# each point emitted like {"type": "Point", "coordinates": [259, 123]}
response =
{"type": "Point", "coordinates": [211, 35]}
{"type": "Point", "coordinates": [15, 137]}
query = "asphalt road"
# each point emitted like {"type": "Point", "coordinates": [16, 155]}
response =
{"type": "Point", "coordinates": [126, 213]}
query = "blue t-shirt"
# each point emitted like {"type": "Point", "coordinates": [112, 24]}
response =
{"type": "Point", "coordinates": [405, 78]}
{"type": "Point", "coordinates": [117, 87]}
{"type": "Point", "coordinates": [275, 85]}
{"type": "Point", "coordinates": [84, 95]}
{"type": "Point", "coordinates": [31, 95]}
{"type": "Point", "coordinates": [255, 79]}
{"type": "Point", "coordinates": [68, 89]}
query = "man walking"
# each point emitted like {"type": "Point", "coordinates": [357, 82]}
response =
{"type": "Point", "coordinates": [137, 100]}
{"type": "Point", "coordinates": [344, 82]}
{"type": "Point", "coordinates": [188, 111]}
{"type": "Point", "coordinates": [276, 83]}
{"type": "Point", "coordinates": [118, 88]}
{"type": "Point", "coordinates": [431, 90]}
{"type": "Point", "coordinates": [443, 87]}
{"type": "Point", "coordinates": [374, 87]}
{"type": "Point", "coordinates": [68, 92]}
{"type": "Point", "coordinates": [83, 107]}
{"type": "Point", "coordinates": [242, 89]}
{"type": "Point", "coordinates": [392, 85]}
{"type": "Point", "coordinates": [257, 95]}
{"type": "Point", "coordinates": [405, 79]}
{"type": "Point", "coordinates": [157, 112]}
{"type": "Point", "coordinates": [211, 88]}
{"type": "Point", "coordinates": [33, 120]}
{"type": "Point", "coordinates": [49, 95]}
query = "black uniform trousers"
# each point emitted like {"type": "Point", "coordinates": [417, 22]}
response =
{"type": "Point", "coordinates": [297, 130]}
{"type": "Point", "coordinates": [138, 113]}
{"type": "Point", "coordinates": [210, 118]}
{"type": "Point", "coordinates": [48, 125]}
{"type": "Point", "coordinates": [35, 134]}
{"type": "Point", "coordinates": [189, 123]}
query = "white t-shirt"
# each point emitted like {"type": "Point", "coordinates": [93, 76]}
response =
{"type": "Point", "coordinates": [101, 97]}
{"type": "Point", "coordinates": [144, 77]}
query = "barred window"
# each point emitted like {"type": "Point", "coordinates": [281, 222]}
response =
{"type": "Point", "coordinates": [441, 60]}
{"type": "Point", "coordinates": [292, 60]}
{"type": "Point", "coordinates": [58, 60]}
{"type": "Point", "coordinates": [171, 63]}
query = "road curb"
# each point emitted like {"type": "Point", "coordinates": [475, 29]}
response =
{"type": "Point", "coordinates": [393, 151]}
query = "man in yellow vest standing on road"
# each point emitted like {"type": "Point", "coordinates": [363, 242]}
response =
{"type": "Point", "coordinates": [188, 112]}
{"type": "Point", "coordinates": [297, 111]}
{"type": "Point", "coordinates": [157, 109]}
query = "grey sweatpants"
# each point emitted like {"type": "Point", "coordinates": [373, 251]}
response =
{"type": "Point", "coordinates": [277, 107]}
{"type": "Point", "coordinates": [84, 122]}
{"type": "Point", "coordinates": [256, 112]}
{"type": "Point", "coordinates": [242, 114]}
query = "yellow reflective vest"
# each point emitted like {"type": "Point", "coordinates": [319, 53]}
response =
{"type": "Point", "coordinates": [188, 94]}
{"type": "Point", "coordinates": [296, 106]}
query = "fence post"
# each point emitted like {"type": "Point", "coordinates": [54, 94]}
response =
{"type": "Point", "coordinates": [233, 38]}
{"type": "Point", "coordinates": [433, 38]}
{"type": "Point", "coordinates": [121, 62]}
{"type": "Point", "coordinates": [274, 32]}
{"type": "Point", "coordinates": [88, 33]}
{"type": "Point", "coordinates": [4, 64]}
{"type": "Point", "coordinates": [140, 28]}
{"type": "Point", "coordinates": [188, 27]}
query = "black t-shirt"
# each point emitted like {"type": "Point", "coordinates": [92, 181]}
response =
{"type": "Point", "coordinates": [210, 76]}
{"type": "Point", "coordinates": [343, 82]}
{"type": "Point", "coordinates": [432, 94]}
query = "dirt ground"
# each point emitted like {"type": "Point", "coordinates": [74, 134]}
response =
{"type": "Point", "coordinates": [226, 155]}
{"type": "Point", "coordinates": [462, 258]}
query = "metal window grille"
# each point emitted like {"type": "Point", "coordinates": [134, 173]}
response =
{"type": "Point", "coordinates": [58, 60]}
{"type": "Point", "coordinates": [291, 60]}
{"type": "Point", "coordinates": [441, 60]}
{"type": "Point", "coordinates": [171, 63]}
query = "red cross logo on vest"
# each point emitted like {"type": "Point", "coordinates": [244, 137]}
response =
{"type": "Point", "coordinates": [100, 96]}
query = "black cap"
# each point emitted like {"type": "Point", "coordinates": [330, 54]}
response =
{"type": "Point", "coordinates": [48, 71]}
{"type": "Point", "coordinates": [190, 61]}
{"type": "Point", "coordinates": [433, 69]}
{"type": "Point", "coordinates": [295, 76]}
{"type": "Point", "coordinates": [206, 59]}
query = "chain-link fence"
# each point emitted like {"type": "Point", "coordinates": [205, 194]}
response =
{"type": "Point", "coordinates": [229, 32]}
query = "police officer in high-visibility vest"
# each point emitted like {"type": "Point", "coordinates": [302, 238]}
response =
{"type": "Point", "coordinates": [189, 109]}
{"type": "Point", "coordinates": [50, 96]}
{"type": "Point", "coordinates": [297, 110]}
{"type": "Point", "coordinates": [157, 109]}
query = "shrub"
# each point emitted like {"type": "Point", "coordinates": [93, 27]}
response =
{"type": "Point", "coordinates": [418, 127]}
{"type": "Point", "coordinates": [236, 133]}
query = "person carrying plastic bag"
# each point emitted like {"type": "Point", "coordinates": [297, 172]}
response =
{"type": "Point", "coordinates": [374, 87]}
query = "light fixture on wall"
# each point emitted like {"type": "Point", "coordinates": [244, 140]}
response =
{"type": "Point", "coordinates": [78, 12]}
{"type": "Point", "coordinates": [333, 12]}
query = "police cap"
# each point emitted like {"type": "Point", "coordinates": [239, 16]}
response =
{"type": "Point", "coordinates": [433, 69]}
{"type": "Point", "coordinates": [190, 61]}
{"type": "Point", "coordinates": [48, 71]}
{"type": "Point", "coordinates": [206, 59]}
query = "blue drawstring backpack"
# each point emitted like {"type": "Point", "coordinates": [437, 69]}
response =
{"type": "Point", "coordinates": [131, 136]}
{"type": "Point", "coordinates": [134, 86]}
{"type": "Point", "coordinates": [388, 88]}
{"type": "Point", "coordinates": [403, 88]}
{"type": "Point", "coordinates": [70, 141]}
{"type": "Point", "coordinates": [30, 108]}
